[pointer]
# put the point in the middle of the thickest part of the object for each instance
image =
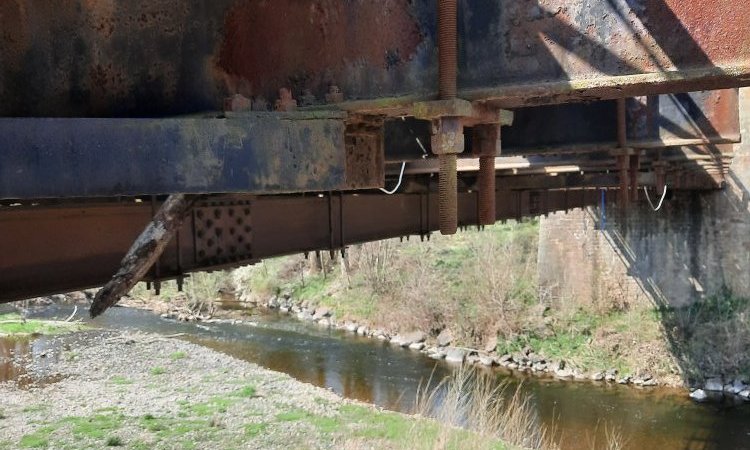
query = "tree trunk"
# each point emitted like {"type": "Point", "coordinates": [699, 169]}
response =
{"type": "Point", "coordinates": [144, 252]}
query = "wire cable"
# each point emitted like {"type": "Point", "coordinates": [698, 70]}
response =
{"type": "Point", "coordinates": [661, 202]}
{"type": "Point", "coordinates": [400, 179]}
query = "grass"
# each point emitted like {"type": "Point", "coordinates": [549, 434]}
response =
{"type": "Point", "coordinates": [347, 425]}
{"type": "Point", "coordinates": [114, 441]}
{"type": "Point", "coordinates": [14, 325]}
{"type": "Point", "coordinates": [709, 337]}
{"type": "Point", "coordinates": [158, 371]}
{"type": "Point", "coordinates": [255, 429]}
{"type": "Point", "coordinates": [177, 356]}
{"type": "Point", "coordinates": [477, 402]}
{"type": "Point", "coordinates": [120, 380]}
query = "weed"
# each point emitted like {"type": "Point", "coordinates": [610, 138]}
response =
{"type": "Point", "coordinates": [177, 356]}
{"type": "Point", "coordinates": [114, 441]}
{"type": "Point", "coordinates": [120, 380]}
{"type": "Point", "coordinates": [37, 439]}
{"type": "Point", "coordinates": [158, 371]}
{"type": "Point", "coordinates": [294, 415]}
{"type": "Point", "coordinates": [255, 429]}
{"type": "Point", "coordinates": [14, 324]}
{"type": "Point", "coordinates": [475, 401]}
{"type": "Point", "coordinates": [246, 392]}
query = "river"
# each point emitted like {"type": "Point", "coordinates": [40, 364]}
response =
{"type": "Point", "coordinates": [376, 372]}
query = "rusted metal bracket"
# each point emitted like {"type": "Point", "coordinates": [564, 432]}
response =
{"type": "Point", "coordinates": [449, 118]}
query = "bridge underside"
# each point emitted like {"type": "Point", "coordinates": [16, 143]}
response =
{"type": "Point", "coordinates": [289, 118]}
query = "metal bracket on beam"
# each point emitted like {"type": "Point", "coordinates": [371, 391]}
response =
{"type": "Point", "coordinates": [449, 117]}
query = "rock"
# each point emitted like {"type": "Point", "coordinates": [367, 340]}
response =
{"type": "Point", "coordinates": [445, 338]}
{"type": "Point", "coordinates": [363, 330]}
{"type": "Point", "coordinates": [321, 312]}
{"type": "Point", "coordinates": [506, 358]}
{"type": "Point", "coordinates": [351, 327]}
{"type": "Point", "coordinates": [472, 358]}
{"type": "Point", "coordinates": [437, 355]}
{"type": "Point", "coordinates": [564, 373]}
{"type": "Point", "coordinates": [745, 394]}
{"type": "Point", "coordinates": [699, 395]}
{"type": "Point", "coordinates": [455, 355]}
{"type": "Point", "coordinates": [738, 386]}
{"type": "Point", "coordinates": [417, 346]}
{"type": "Point", "coordinates": [304, 315]}
{"type": "Point", "coordinates": [625, 380]}
{"type": "Point", "coordinates": [324, 322]}
{"type": "Point", "coordinates": [273, 302]}
{"type": "Point", "coordinates": [650, 382]}
{"type": "Point", "coordinates": [611, 375]}
{"type": "Point", "coordinates": [405, 340]}
{"type": "Point", "coordinates": [512, 366]}
{"type": "Point", "coordinates": [487, 360]}
{"type": "Point", "coordinates": [599, 376]}
{"type": "Point", "coordinates": [491, 345]}
{"type": "Point", "coordinates": [284, 309]}
{"type": "Point", "coordinates": [714, 385]}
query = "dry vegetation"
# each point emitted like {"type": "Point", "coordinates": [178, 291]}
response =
{"type": "Point", "coordinates": [480, 285]}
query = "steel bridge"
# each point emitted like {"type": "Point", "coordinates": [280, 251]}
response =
{"type": "Point", "coordinates": [305, 125]}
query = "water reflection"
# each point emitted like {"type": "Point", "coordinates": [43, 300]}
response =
{"type": "Point", "coordinates": [28, 362]}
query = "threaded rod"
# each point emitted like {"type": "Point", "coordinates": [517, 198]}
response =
{"type": "Point", "coordinates": [487, 214]}
{"type": "Point", "coordinates": [447, 47]}
{"type": "Point", "coordinates": [448, 194]}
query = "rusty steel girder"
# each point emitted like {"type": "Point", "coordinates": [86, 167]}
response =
{"type": "Point", "coordinates": [144, 58]}
{"type": "Point", "coordinates": [58, 248]}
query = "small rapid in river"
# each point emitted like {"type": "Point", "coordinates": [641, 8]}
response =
{"type": "Point", "coordinates": [376, 372]}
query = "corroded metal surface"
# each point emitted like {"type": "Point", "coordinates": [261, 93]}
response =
{"type": "Point", "coordinates": [109, 157]}
{"type": "Point", "coordinates": [167, 57]}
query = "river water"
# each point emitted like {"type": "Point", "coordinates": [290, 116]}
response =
{"type": "Point", "coordinates": [376, 372]}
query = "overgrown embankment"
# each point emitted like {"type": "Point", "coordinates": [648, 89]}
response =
{"type": "Point", "coordinates": [479, 286]}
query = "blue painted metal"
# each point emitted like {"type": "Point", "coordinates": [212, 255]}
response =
{"type": "Point", "coordinates": [261, 153]}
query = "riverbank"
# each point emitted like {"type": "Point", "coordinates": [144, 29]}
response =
{"type": "Point", "coordinates": [477, 291]}
{"type": "Point", "coordinates": [139, 391]}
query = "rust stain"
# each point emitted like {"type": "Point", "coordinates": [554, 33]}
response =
{"type": "Point", "coordinates": [721, 28]}
{"type": "Point", "coordinates": [272, 43]}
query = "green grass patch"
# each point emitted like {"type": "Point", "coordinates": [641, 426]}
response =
{"type": "Point", "coordinates": [177, 356]}
{"type": "Point", "coordinates": [246, 392]}
{"type": "Point", "coordinates": [255, 429]}
{"type": "Point", "coordinates": [158, 371]}
{"type": "Point", "coordinates": [14, 325]}
{"type": "Point", "coordinates": [294, 415]}
{"type": "Point", "coordinates": [114, 441]}
{"type": "Point", "coordinates": [120, 380]}
{"type": "Point", "coordinates": [97, 426]}
{"type": "Point", "coordinates": [37, 439]}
